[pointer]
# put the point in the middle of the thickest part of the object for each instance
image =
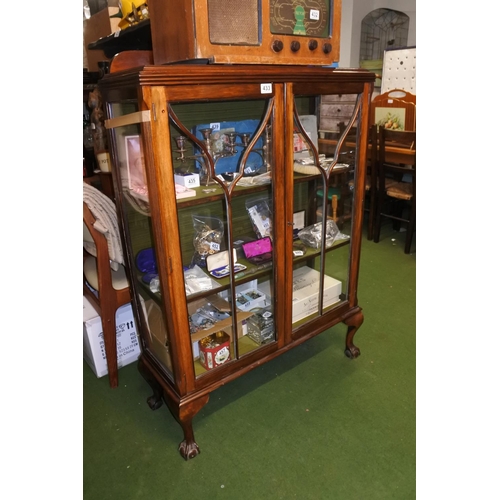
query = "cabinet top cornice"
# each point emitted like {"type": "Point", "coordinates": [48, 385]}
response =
{"type": "Point", "coordinates": [180, 74]}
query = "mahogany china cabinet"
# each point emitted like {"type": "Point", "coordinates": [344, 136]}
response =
{"type": "Point", "coordinates": [233, 250]}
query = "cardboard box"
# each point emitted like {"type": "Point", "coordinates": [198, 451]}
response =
{"type": "Point", "coordinates": [249, 299]}
{"type": "Point", "coordinates": [98, 26]}
{"type": "Point", "coordinates": [305, 292]}
{"type": "Point", "coordinates": [224, 325]}
{"type": "Point", "coordinates": [127, 343]}
{"type": "Point", "coordinates": [187, 180]}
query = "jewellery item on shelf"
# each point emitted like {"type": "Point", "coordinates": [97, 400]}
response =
{"type": "Point", "coordinates": [299, 222]}
{"type": "Point", "coordinates": [206, 317]}
{"type": "Point", "coordinates": [209, 232]}
{"type": "Point", "coordinates": [249, 299]}
{"type": "Point", "coordinates": [312, 235]}
{"type": "Point", "coordinates": [258, 251]}
{"type": "Point", "coordinates": [196, 280]}
{"type": "Point", "coordinates": [299, 248]}
{"type": "Point", "coordinates": [145, 262]}
{"type": "Point", "coordinates": [183, 192]}
{"type": "Point", "coordinates": [218, 264]}
{"type": "Point", "coordinates": [260, 215]}
{"type": "Point", "coordinates": [154, 284]}
{"type": "Point", "coordinates": [260, 326]}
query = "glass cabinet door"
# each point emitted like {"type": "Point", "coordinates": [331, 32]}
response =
{"type": "Point", "coordinates": [324, 170]}
{"type": "Point", "coordinates": [126, 125]}
{"type": "Point", "coordinates": [223, 162]}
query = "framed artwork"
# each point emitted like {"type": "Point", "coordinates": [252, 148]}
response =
{"type": "Point", "coordinates": [393, 118]}
{"type": "Point", "coordinates": [136, 174]}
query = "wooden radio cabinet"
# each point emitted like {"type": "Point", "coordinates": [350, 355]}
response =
{"type": "Point", "coordinates": [240, 268]}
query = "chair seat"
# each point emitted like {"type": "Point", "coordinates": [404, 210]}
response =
{"type": "Point", "coordinates": [368, 183]}
{"type": "Point", "coordinates": [400, 190]}
{"type": "Point", "coordinates": [119, 278]}
{"type": "Point", "coordinates": [332, 191]}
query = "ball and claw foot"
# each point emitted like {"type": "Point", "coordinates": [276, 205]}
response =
{"type": "Point", "coordinates": [352, 352]}
{"type": "Point", "coordinates": [154, 402]}
{"type": "Point", "coordinates": [188, 450]}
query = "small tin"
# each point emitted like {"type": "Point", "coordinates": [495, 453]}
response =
{"type": "Point", "coordinates": [260, 326]}
{"type": "Point", "coordinates": [215, 350]}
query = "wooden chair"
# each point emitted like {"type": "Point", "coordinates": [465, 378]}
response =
{"type": "Point", "coordinates": [111, 288]}
{"type": "Point", "coordinates": [393, 193]}
{"type": "Point", "coordinates": [339, 189]}
{"type": "Point", "coordinates": [397, 105]}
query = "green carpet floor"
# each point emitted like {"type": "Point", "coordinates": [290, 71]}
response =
{"type": "Point", "coordinates": [310, 424]}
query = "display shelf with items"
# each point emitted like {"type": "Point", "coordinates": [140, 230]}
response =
{"type": "Point", "coordinates": [245, 266]}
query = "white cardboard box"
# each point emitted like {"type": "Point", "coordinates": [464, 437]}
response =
{"type": "Point", "coordinates": [127, 343]}
{"type": "Point", "coordinates": [188, 180]}
{"type": "Point", "coordinates": [305, 292]}
{"type": "Point", "coordinates": [249, 299]}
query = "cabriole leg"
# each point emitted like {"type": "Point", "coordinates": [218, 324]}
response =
{"type": "Point", "coordinates": [154, 401]}
{"type": "Point", "coordinates": [184, 415]}
{"type": "Point", "coordinates": [353, 323]}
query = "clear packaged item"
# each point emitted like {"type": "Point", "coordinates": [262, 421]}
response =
{"type": "Point", "coordinates": [206, 317]}
{"type": "Point", "coordinates": [312, 235]}
{"type": "Point", "coordinates": [195, 280]}
{"type": "Point", "coordinates": [260, 215]}
{"type": "Point", "coordinates": [208, 238]}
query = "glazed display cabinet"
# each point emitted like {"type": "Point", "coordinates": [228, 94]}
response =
{"type": "Point", "coordinates": [242, 235]}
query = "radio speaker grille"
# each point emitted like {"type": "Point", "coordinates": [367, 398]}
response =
{"type": "Point", "coordinates": [233, 23]}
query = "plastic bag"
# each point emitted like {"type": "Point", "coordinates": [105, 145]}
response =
{"type": "Point", "coordinates": [208, 238]}
{"type": "Point", "coordinates": [260, 215]}
{"type": "Point", "coordinates": [312, 235]}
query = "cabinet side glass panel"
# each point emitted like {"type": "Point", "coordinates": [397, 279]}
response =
{"type": "Point", "coordinates": [130, 173]}
{"type": "Point", "coordinates": [222, 167]}
{"type": "Point", "coordinates": [324, 168]}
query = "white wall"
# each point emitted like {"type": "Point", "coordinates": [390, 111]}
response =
{"type": "Point", "coordinates": [353, 12]}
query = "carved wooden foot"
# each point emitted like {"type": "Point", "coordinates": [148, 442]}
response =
{"type": "Point", "coordinates": [353, 323]}
{"type": "Point", "coordinates": [188, 448]}
{"type": "Point", "coordinates": [182, 410]}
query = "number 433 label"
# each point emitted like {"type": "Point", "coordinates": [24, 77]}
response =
{"type": "Point", "coordinates": [266, 88]}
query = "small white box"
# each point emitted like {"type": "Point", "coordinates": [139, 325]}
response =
{"type": "Point", "coordinates": [249, 299]}
{"type": "Point", "coordinates": [305, 292]}
{"type": "Point", "coordinates": [127, 343]}
{"type": "Point", "coordinates": [187, 180]}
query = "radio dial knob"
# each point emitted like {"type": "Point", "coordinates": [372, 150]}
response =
{"type": "Point", "coordinates": [277, 46]}
{"type": "Point", "coordinates": [313, 44]}
{"type": "Point", "coordinates": [327, 48]}
{"type": "Point", "coordinates": [295, 46]}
